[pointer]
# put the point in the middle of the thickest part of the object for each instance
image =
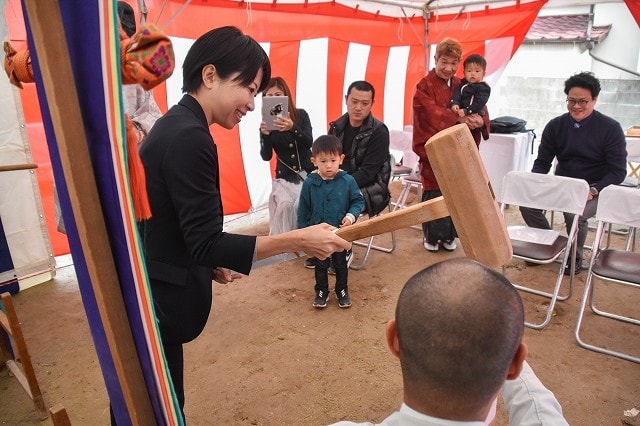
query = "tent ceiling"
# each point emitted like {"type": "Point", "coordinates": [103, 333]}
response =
{"type": "Point", "coordinates": [409, 8]}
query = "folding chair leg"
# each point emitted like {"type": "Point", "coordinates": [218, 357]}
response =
{"type": "Point", "coordinates": [589, 294]}
{"type": "Point", "coordinates": [369, 245]}
{"type": "Point", "coordinates": [25, 375]}
{"type": "Point", "coordinates": [606, 314]}
{"type": "Point", "coordinates": [554, 296]}
{"type": "Point", "coordinates": [402, 197]}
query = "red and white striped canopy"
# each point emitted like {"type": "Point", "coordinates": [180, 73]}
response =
{"type": "Point", "coordinates": [319, 49]}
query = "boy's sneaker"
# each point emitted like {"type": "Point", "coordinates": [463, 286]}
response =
{"type": "Point", "coordinates": [430, 247]}
{"type": "Point", "coordinates": [450, 245]}
{"type": "Point", "coordinates": [309, 263]}
{"type": "Point", "coordinates": [321, 299]}
{"type": "Point", "coordinates": [349, 258]}
{"type": "Point", "coordinates": [344, 301]}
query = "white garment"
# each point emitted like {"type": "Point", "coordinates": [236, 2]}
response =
{"type": "Point", "coordinates": [140, 106]}
{"type": "Point", "coordinates": [283, 206]}
{"type": "Point", "coordinates": [527, 401]}
{"type": "Point", "coordinates": [407, 416]}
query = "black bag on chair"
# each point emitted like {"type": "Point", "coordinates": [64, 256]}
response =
{"type": "Point", "coordinates": [507, 124]}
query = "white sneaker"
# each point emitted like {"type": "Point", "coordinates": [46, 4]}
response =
{"type": "Point", "coordinates": [450, 245]}
{"type": "Point", "coordinates": [431, 247]}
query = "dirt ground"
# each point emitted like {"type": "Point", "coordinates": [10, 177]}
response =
{"type": "Point", "coordinates": [267, 357]}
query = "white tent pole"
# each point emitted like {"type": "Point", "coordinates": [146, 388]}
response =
{"type": "Point", "coordinates": [399, 3]}
{"type": "Point", "coordinates": [143, 12]}
{"type": "Point", "coordinates": [445, 5]}
{"type": "Point", "coordinates": [425, 43]}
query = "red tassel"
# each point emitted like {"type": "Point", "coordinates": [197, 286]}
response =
{"type": "Point", "coordinates": [137, 178]}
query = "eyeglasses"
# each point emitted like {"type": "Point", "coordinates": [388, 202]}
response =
{"type": "Point", "coordinates": [580, 102]}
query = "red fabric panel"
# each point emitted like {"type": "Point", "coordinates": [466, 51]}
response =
{"type": "Point", "coordinates": [284, 63]}
{"type": "Point", "coordinates": [337, 52]}
{"type": "Point", "coordinates": [281, 22]}
{"type": "Point", "coordinates": [634, 8]}
{"type": "Point", "coordinates": [375, 74]}
{"type": "Point", "coordinates": [160, 96]}
{"type": "Point", "coordinates": [233, 185]}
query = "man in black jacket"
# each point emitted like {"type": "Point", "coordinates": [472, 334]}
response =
{"type": "Point", "coordinates": [365, 144]}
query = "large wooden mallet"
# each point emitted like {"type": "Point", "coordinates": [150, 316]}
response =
{"type": "Point", "coordinates": [466, 197]}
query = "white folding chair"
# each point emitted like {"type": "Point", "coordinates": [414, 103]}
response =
{"type": "Point", "coordinates": [370, 246]}
{"type": "Point", "coordinates": [400, 148]}
{"type": "Point", "coordinates": [621, 206]}
{"type": "Point", "coordinates": [398, 169]}
{"type": "Point", "coordinates": [410, 172]}
{"type": "Point", "coordinates": [551, 193]}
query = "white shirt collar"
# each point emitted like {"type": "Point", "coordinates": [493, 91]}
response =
{"type": "Point", "coordinates": [434, 420]}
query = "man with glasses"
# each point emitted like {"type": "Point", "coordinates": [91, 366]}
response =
{"type": "Point", "coordinates": [587, 145]}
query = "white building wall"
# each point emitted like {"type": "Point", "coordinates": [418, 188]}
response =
{"type": "Point", "coordinates": [531, 86]}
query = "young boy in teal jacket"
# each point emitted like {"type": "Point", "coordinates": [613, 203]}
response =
{"type": "Point", "coordinates": [329, 195]}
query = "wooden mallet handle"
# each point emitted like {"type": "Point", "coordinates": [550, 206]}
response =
{"type": "Point", "coordinates": [418, 213]}
{"type": "Point", "coordinates": [12, 167]}
{"type": "Point", "coordinates": [467, 198]}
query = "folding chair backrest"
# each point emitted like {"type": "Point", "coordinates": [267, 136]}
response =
{"type": "Point", "coordinates": [619, 205]}
{"type": "Point", "coordinates": [546, 192]}
{"type": "Point", "coordinates": [400, 140]}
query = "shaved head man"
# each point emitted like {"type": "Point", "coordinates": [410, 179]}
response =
{"type": "Point", "coordinates": [458, 334]}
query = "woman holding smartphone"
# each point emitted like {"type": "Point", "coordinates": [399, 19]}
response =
{"type": "Point", "coordinates": [292, 144]}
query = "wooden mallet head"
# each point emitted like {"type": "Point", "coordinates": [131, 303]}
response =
{"type": "Point", "coordinates": [466, 197]}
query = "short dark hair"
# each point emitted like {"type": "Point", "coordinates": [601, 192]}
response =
{"type": "Point", "coordinates": [476, 59]}
{"type": "Point", "coordinates": [327, 144]}
{"type": "Point", "coordinates": [586, 80]}
{"type": "Point", "coordinates": [363, 86]}
{"type": "Point", "coordinates": [127, 18]}
{"type": "Point", "coordinates": [459, 326]}
{"type": "Point", "coordinates": [230, 51]}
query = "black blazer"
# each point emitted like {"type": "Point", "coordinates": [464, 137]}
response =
{"type": "Point", "coordinates": [183, 241]}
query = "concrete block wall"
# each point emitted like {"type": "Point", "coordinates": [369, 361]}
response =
{"type": "Point", "coordinates": [538, 100]}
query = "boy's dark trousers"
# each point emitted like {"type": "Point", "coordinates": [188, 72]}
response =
{"type": "Point", "coordinates": [339, 260]}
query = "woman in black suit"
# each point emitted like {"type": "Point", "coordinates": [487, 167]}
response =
{"type": "Point", "coordinates": [184, 245]}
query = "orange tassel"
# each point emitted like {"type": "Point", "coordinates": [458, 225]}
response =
{"type": "Point", "coordinates": [137, 178]}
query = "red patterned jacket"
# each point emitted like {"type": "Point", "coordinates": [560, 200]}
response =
{"type": "Point", "coordinates": [432, 113]}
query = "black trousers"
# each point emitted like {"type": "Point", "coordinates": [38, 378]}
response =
{"type": "Point", "coordinates": [439, 229]}
{"type": "Point", "coordinates": [175, 362]}
{"type": "Point", "coordinates": [339, 260]}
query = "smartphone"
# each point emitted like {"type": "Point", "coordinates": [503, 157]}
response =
{"type": "Point", "coordinates": [273, 107]}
